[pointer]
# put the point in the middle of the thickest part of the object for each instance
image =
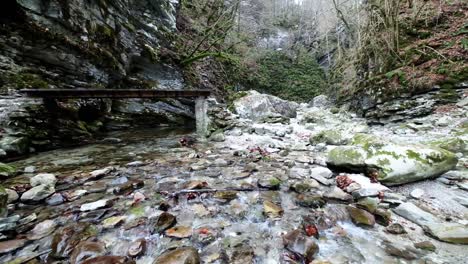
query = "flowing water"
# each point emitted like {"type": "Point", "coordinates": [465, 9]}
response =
{"type": "Point", "coordinates": [224, 226]}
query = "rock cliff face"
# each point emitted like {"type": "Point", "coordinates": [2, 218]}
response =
{"type": "Point", "coordinates": [85, 44]}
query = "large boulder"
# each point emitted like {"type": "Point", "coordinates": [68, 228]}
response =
{"type": "Point", "coordinates": [395, 164]}
{"type": "Point", "coordinates": [257, 106]}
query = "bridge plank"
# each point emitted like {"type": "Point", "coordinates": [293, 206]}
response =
{"type": "Point", "coordinates": [113, 93]}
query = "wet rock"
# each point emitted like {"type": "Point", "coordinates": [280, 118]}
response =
{"type": "Point", "coordinates": [97, 174]}
{"type": "Point", "coordinates": [104, 203]}
{"type": "Point", "coordinates": [12, 196]}
{"type": "Point", "coordinates": [183, 255]}
{"type": "Point", "coordinates": [321, 179]}
{"type": "Point", "coordinates": [243, 255]}
{"type": "Point", "coordinates": [109, 260]}
{"type": "Point", "coordinates": [93, 216]}
{"type": "Point", "coordinates": [113, 221]}
{"type": "Point", "coordinates": [305, 186]}
{"type": "Point", "coordinates": [393, 198]}
{"type": "Point", "coordinates": [417, 193]}
{"type": "Point", "coordinates": [119, 180]}
{"type": "Point", "coordinates": [322, 171]}
{"type": "Point", "coordinates": [37, 193]}
{"type": "Point", "coordinates": [6, 171]}
{"type": "Point", "coordinates": [329, 137]}
{"type": "Point", "coordinates": [196, 185]}
{"type": "Point", "coordinates": [137, 163]}
{"type": "Point", "coordinates": [74, 195]}
{"type": "Point", "coordinates": [128, 187]}
{"type": "Point", "coordinates": [87, 250]}
{"type": "Point", "coordinates": [42, 229]}
{"type": "Point", "coordinates": [179, 232]}
{"type": "Point", "coordinates": [425, 245]}
{"type": "Point", "coordinates": [43, 179]}
{"type": "Point", "coordinates": [401, 251]}
{"type": "Point", "coordinates": [8, 223]}
{"type": "Point", "coordinates": [137, 248]}
{"type": "Point", "coordinates": [67, 239]}
{"type": "Point", "coordinates": [299, 173]}
{"type": "Point", "coordinates": [368, 204]}
{"type": "Point", "coordinates": [395, 164]}
{"type": "Point", "coordinates": [365, 192]}
{"type": "Point", "coordinates": [29, 169]}
{"type": "Point", "coordinates": [448, 232]}
{"type": "Point", "coordinates": [96, 186]}
{"type": "Point", "coordinates": [11, 245]}
{"type": "Point", "coordinates": [3, 202]}
{"type": "Point", "coordinates": [258, 106]}
{"type": "Point", "coordinates": [55, 199]}
{"type": "Point", "coordinates": [300, 244]}
{"type": "Point", "coordinates": [225, 195]}
{"type": "Point", "coordinates": [310, 200]}
{"type": "Point", "coordinates": [338, 194]}
{"type": "Point", "coordinates": [383, 217]}
{"type": "Point", "coordinates": [395, 229]}
{"type": "Point", "coordinates": [361, 217]}
{"type": "Point", "coordinates": [414, 214]}
{"type": "Point", "coordinates": [164, 222]}
{"type": "Point", "coordinates": [272, 210]}
{"type": "Point", "coordinates": [270, 183]}
{"type": "Point", "coordinates": [456, 175]}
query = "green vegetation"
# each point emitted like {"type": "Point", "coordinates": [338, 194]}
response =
{"type": "Point", "coordinates": [27, 80]}
{"type": "Point", "coordinates": [299, 78]}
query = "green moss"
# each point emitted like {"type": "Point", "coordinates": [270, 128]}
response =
{"type": "Point", "coordinates": [275, 182]}
{"type": "Point", "coordinates": [151, 53]}
{"type": "Point", "coordinates": [331, 137]}
{"type": "Point", "coordinates": [416, 156]}
{"type": "Point", "coordinates": [451, 144]}
{"type": "Point", "coordinates": [27, 80]}
{"type": "Point", "coordinates": [138, 211]}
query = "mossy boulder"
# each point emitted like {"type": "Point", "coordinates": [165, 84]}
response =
{"type": "Point", "coordinates": [6, 170]}
{"type": "Point", "coordinates": [15, 146]}
{"type": "Point", "coordinates": [453, 144]}
{"type": "Point", "coordinates": [329, 137]}
{"type": "Point", "coordinates": [395, 164]}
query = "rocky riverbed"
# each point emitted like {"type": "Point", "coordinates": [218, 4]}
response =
{"type": "Point", "coordinates": [281, 183]}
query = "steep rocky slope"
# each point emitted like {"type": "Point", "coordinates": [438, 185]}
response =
{"type": "Point", "coordinates": [85, 44]}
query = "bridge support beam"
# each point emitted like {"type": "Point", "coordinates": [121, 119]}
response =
{"type": "Point", "coordinates": [201, 116]}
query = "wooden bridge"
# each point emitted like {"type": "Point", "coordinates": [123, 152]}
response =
{"type": "Point", "coordinates": [113, 93]}
{"type": "Point", "coordinates": [201, 106]}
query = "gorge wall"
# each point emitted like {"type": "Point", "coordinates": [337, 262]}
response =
{"type": "Point", "coordinates": [85, 44]}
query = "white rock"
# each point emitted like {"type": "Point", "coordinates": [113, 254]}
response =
{"type": "Point", "coordinates": [30, 169]}
{"type": "Point", "coordinates": [322, 171]}
{"type": "Point", "coordinates": [417, 193]}
{"type": "Point", "coordinates": [43, 179]}
{"type": "Point", "coordinates": [135, 164]}
{"type": "Point", "coordinates": [94, 205]}
{"type": "Point", "coordinates": [101, 172]}
{"type": "Point", "coordinates": [38, 193]}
